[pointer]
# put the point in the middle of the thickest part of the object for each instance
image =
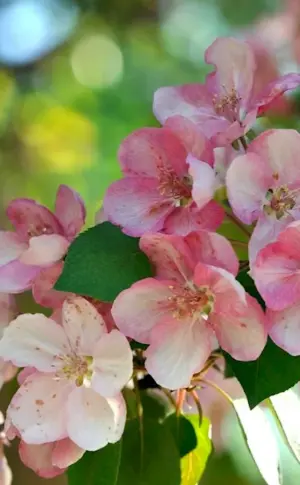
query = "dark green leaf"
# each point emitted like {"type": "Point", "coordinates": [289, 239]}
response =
{"type": "Point", "coordinates": [102, 262]}
{"type": "Point", "coordinates": [250, 287]}
{"type": "Point", "coordinates": [146, 455]}
{"type": "Point", "coordinates": [193, 464]}
{"type": "Point", "coordinates": [273, 372]}
{"type": "Point", "coordinates": [97, 468]}
{"type": "Point", "coordinates": [155, 406]}
{"type": "Point", "coordinates": [137, 345]}
{"type": "Point", "coordinates": [183, 432]}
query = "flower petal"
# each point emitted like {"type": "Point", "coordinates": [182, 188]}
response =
{"type": "Point", "coordinates": [248, 180]}
{"type": "Point", "coordinates": [284, 328]}
{"type": "Point", "coordinates": [204, 181]}
{"type": "Point", "coordinates": [8, 310]}
{"type": "Point", "coordinates": [42, 288]}
{"type": "Point", "coordinates": [65, 453]}
{"type": "Point", "coordinates": [279, 150]}
{"type": "Point", "coordinates": [39, 459]}
{"type": "Point", "coordinates": [276, 275]}
{"type": "Point", "coordinates": [137, 310]}
{"type": "Point", "coordinates": [149, 150]}
{"type": "Point", "coordinates": [70, 211]}
{"type": "Point", "coordinates": [192, 101]}
{"type": "Point", "coordinates": [195, 142]}
{"type": "Point", "coordinates": [213, 249]}
{"type": "Point", "coordinates": [16, 277]}
{"type": "Point", "coordinates": [235, 66]}
{"type": "Point", "coordinates": [83, 324]}
{"type": "Point", "coordinates": [169, 255]}
{"type": "Point", "coordinates": [135, 204]}
{"type": "Point", "coordinates": [11, 246]}
{"type": "Point", "coordinates": [184, 220]}
{"type": "Point", "coordinates": [44, 250]}
{"type": "Point", "coordinates": [37, 409]}
{"type": "Point", "coordinates": [242, 335]}
{"type": "Point", "coordinates": [31, 218]}
{"type": "Point", "coordinates": [274, 90]}
{"type": "Point", "coordinates": [112, 362]}
{"type": "Point", "coordinates": [118, 407]}
{"type": "Point", "coordinates": [35, 341]}
{"type": "Point", "coordinates": [90, 419]}
{"type": "Point", "coordinates": [177, 350]}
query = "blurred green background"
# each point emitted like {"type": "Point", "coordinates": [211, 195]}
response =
{"type": "Point", "coordinates": [76, 77]}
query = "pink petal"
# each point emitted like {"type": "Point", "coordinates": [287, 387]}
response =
{"type": "Point", "coordinates": [39, 459]}
{"type": "Point", "coordinates": [279, 150]}
{"type": "Point", "coordinates": [184, 220]}
{"type": "Point", "coordinates": [135, 204]}
{"type": "Point", "coordinates": [35, 341]}
{"type": "Point", "coordinates": [204, 181]}
{"type": "Point", "coordinates": [65, 453]}
{"type": "Point", "coordinates": [7, 372]}
{"type": "Point", "coordinates": [213, 249]}
{"type": "Point", "coordinates": [70, 211]}
{"type": "Point", "coordinates": [195, 142]}
{"type": "Point", "coordinates": [223, 157]}
{"type": "Point", "coordinates": [148, 150]}
{"type": "Point", "coordinates": [248, 180]}
{"type": "Point", "coordinates": [242, 335]}
{"type": "Point", "coordinates": [37, 409]}
{"type": "Point", "coordinates": [177, 350]}
{"type": "Point", "coordinates": [42, 288]}
{"type": "Point", "coordinates": [169, 255]}
{"type": "Point", "coordinates": [284, 328]}
{"type": "Point", "coordinates": [274, 90]}
{"type": "Point", "coordinates": [276, 274]}
{"type": "Point", "coordinates": [30, 218]}
{"type": "Point", "coordinates": [265, 232]}
{"type": "Point", "coordinates": [11, 246]}
{"type": "Point", "coordinates": [112, 364]}
{"type": "Point", "coordinates": [6, 476]}
{"type": "Point", "coordinates": [192, 101]}
{"type": "Point", "coordinates": [24, 373]}
{"type": "Point", "coordinates": [90, 419]}
{"type": "Point", "coordinates": [137, 310]}
{"type": "Point", "coordinates": [44, 250]}
{"type": "Point", "coordinates": [229, 294]}
{"type": "Point", "coordinates": [235, 65]}
{"type": "Point", "coordinates": [83, 325]}
{"type": "Point", "coordinates": [16, 277]}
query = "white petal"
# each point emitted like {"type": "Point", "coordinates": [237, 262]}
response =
{"type": "Point", "coordinates": [37, 409]}
{"type": "Point", "coordinates": [34, 340]}
{"type": "Point", "coordinates": [44, 250]}
{"type": "Point", "coordinates": [90, 419]}
{"type": "Point", "coordinates": [118, 406]}
{"type": "Point", "coordinates": [204, 181]}
{"type": "Point", "coordinates": [260, 439]}
{"type": "Point", "coordinates": [112, 364]}
{"type": "Point", "coordinates": [83, 324]}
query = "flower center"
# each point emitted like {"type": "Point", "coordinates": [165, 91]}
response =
{"type": "Point", "coordinates": [190, 301]}
{"type": "Point", "coordinates": [170, 185]}
{"type": "Point", "coordinates": [227, 104]}
{"type": "Point", "coordinates": [280, 201]}
{"type": "Point", "coordinates": [39, 230]}
{"type": "Point", "coordinates": [78, 368]}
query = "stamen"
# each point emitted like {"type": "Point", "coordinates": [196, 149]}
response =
{"type": "Point", "coordinates": [170, 185]}
{"type": "Point", "coordinates": [186, 302]}
{"type": "Point", "coordinates": [280, 201]}
{"type": "Point", "coordinates": [228, 104]}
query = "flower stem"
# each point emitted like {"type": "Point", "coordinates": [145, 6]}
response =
{"type": "Point", "coordinates": [235, 220]}
{"type": "Point", "coordinates": [217, 388]}
{"type": "Point", "coordinates": [243, 143]}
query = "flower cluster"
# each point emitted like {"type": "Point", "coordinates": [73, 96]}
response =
{"type": "Point", "coordinates": [180, 182]}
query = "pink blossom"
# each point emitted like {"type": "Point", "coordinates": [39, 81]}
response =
{"type": "Point", "coordinates": [276, 274]}
{"type": "Point", "coordinates": [80, 369]}
{"type": "Point", "coordinates": [8, 312]}
{"type": "Point", "coordinates": [50, 459]}
{"type": "Point", "coordinates": [168, 184]}
{"type": "Point", "coordinates": [264, 185]}
{"type": "Point", "coordinates": [191, 303]}
{"type": "Point", "coordinates": [226, 106]}
{"type": "Point", "coordinates": [5, 471]}
{"type": "Point", "coordinates": [41, 238]}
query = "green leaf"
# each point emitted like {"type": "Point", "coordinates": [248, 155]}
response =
{"type": "Point", "coordinates": [102, 262]}
{"type": "Point", "coordinates": [183, 433]}
{"type": "Point", "coordinates": [137, 345]}
{"type": "Point", "coordinates": [193, 464]}
{"type": "Point", "coordinates": [97, 468]}
{"type": "Point", "coordinates": [273, 372]}
{"type": "Point", "coordinates": [249, 285]}
{"type": "Point", "coordinates": [146, 455]}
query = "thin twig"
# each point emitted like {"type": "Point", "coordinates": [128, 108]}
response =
{"type": "Point", "coordinates": [217, 388]}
